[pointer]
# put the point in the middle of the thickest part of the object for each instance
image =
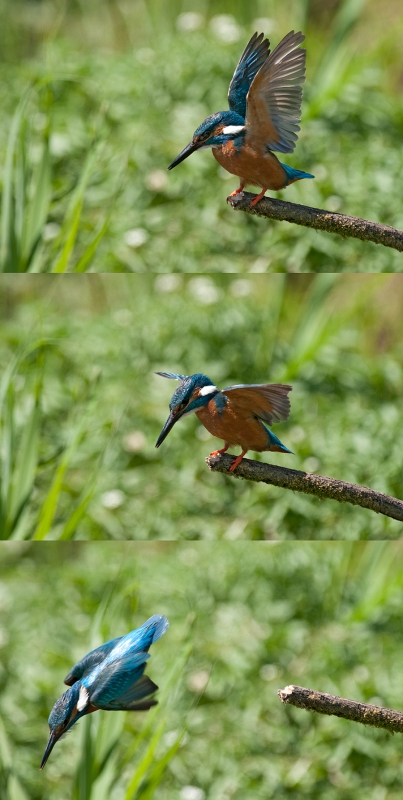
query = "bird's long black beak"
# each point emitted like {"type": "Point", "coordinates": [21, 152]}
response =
{"type": "Point", "coordinates": [187, 151]}
{"type": "Point", "coordinates": [53, 738]}
{"type": "Point", "coordinates": [167, 427]}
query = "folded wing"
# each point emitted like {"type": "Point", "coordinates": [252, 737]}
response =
{"type": "Point", "coordinates": [274, 99]}
{"type": "Point", "coordinates": [90, 660]}
{"type": "Point", "coordinates": [117, 679]}
{"type": "Point", "coordinates": [252, 58]}
{"type": "Point", "coordinates": [267, 401]}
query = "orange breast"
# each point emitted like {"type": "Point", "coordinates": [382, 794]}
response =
{"type": "Point", "coordinates": [252, 164]}
{"type": "Point", "coordinates": [235, 429]}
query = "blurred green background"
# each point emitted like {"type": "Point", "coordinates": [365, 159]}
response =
{"type": "Point", "coordinates": [246, 619]}
{"type": "Point", "coordinates": [98, 96]}
{"type": "Point", "coordinates": [81, 410]}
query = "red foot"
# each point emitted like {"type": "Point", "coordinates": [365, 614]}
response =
{"type": "Point", "coordinates": [237, 461]}
{"type": "Point", "coordinates": [237, 191]}
{"type": "Point", "coordinates": [257, 198]}
{"type": "Point", "coordinates": [216, 452]}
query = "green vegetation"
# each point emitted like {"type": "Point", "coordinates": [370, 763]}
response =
{"type": "Point", "coordinates": [80, 407]}
{"type": "Point", "coordinates": [99, 96]}
{"type": "Point", "coordinates": [246, 620]}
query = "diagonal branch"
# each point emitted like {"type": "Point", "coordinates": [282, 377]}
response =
{"type": "Point", "coordinates": [318, 485]}
{"type": "Point", "coordinates": [321, 220]}
{"type": "Point", "coordinates": [330, 704]}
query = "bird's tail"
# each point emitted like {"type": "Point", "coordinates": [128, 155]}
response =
{"type": "Point", "coordinates": [156, 625]}
{"type": "Point", "coordinates": [295, 174]}
{"type": "Point", "coordinates": [275, 445]}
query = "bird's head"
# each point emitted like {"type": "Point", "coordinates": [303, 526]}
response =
{"type": "Point", "coordinates": [215, 131]}
{"type": "Point", "coordinates": [193, 392]}
{"type": "Point", "coordinates": [65, 712]}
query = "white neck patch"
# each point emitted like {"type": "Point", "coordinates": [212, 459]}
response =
{"type": "Point", "coordinates": [208, 390]}
{"type": "Point", "coordinates": [233, 129]}
{"type": "Point", "coordinates": [82, 699]}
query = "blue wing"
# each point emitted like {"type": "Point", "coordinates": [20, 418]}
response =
{"type": "Point", "coordinates": [116, 679]}
{"type": "Point", "coordinates": [274, 99]}
{"type": "Point", "coordinates": [267, 401]}
{"type": "Point", "coordinates": [90, 660]}
{"type": "Point", "coordinates": [252, 58]}
{"type": "Point", "coordinates": [134, 698]}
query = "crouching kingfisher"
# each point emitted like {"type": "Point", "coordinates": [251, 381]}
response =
{"type": "Point", "coordinates": [110, 678]}
{"type": "Point", "coordinates": [264, 97]}
{"type": "Point", "coordinates": [237, 414]}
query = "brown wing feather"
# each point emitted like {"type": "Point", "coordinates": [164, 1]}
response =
{"type": "Point", "coordinates": [274, 98]}
{"type": "Point", "coordinates": [267, 401]}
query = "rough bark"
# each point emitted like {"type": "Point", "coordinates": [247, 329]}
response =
{"type": "Point", "coordinates": [330, 704]}
{"type": "Point", "coordinates": [318, 485]}
{"type": "Point", "coordinates": [321, 220]}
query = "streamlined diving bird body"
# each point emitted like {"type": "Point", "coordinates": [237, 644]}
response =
{"type": "Point", "coordinates": [238, 414]}
{"type": "Point", "coordinates": [109, 678]}
{"type": "Point", "coordinates": [264, 98]}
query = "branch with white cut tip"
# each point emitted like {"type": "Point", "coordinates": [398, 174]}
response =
{"type": "Point", "coordinates": [321, 220]}
{"type": "Point", "coordinates": [322, 703]}
{"type": "Point", "coordinates": [322, 487]}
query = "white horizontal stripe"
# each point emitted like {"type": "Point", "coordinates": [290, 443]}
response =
{"type": "Point", "coordinates": [208, 390]}
{"type": "Point", "coordinates": [234, 128]}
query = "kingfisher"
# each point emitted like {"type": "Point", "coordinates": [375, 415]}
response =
{"type": "Point", "coordinates": [264, 98]}
{"type": "Point", "coordinates": [236, 414]}
{"type": "Point", "coordinates": [110, 678]}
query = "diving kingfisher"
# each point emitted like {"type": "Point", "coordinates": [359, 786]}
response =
{"type": "Point", "coordinates": [264, 97]}
{"type": "Point", "coordinates": [237, 414]}
{"type": "Point", "coordinates": [110, 678]}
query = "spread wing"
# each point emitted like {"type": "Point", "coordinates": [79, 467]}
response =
{"type": "Point", "coordinates": [267, 401]}
{"type": "Point", "coordinates": [90, 660]}
{"type": "Point", "coordinates": [252, 58]}
{"type": "Point", "coordinates": [274, 98]}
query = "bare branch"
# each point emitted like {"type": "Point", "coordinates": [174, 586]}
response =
{"type": "Point", "coordinates": [330, 704]}
{"type": "Point", "coordinates": [320, 219]}
{"type": "Point", "coordinates": [318, 485]}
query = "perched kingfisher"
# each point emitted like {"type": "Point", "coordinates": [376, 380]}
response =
{"type": "Point", "coordinates": [264, 97]}
{"type": "Point", "coordinates": [236, 414]}
{"type": "Point", "coordinates": [110, 678]}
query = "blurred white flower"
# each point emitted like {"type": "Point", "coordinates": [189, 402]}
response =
{"type": "Point", "coordinates": [241, 287]}
{"type": "Point", "coordinates": [145, 55]}
{"type": "Point", "coordinates": [333, 203]}
{"type": "Point", "coordinates": [59, 144]}
{"type": "Point", "coordinates": [189, 21]}
{"type": "Point", "coordinates": [157, 180]}
{"type": "Point", "coordinates": [136, 237]}
{"type": "Point", "coordinates": [265, 24]}
{"type": "Point", "coordinates": [225, 28]}
{"type": "Point", "coordinates": [112, 499]}
{"type": "Point", "coordinates": [123, 317]}
{"type": "Point", "coordinates": [203, 434]}
{"type": "Point", "coordinates": [311, 464]}
{"type": "Point", "coordinates": [198, 680]}
{"type": "Point", "coordinates": [296, 433]}
{"type": "Point", "coordinates": [268, 672]}
{"type": "Point", "coordinates": [168, 283]}
{"type": "Point", "coordinates": [134, 442]}
{"type": "Point", "coordinates": [189, 556]}
{"type": "Point", "coordinates": [204, 290]}
{"type": "Point", "coordinates": [192, 793]}
{"type": "Point", "coordinates": [260, 265]}
{"type": "Point", "coordinates": [50, 231]}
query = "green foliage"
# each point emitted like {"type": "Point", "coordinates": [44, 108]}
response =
{"type": "Point", "coordinates": [255, 617]}
{"type": "Point", "coordinates": [92, 469]}
{"type": "Point", "coordinates": [151, 75]}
